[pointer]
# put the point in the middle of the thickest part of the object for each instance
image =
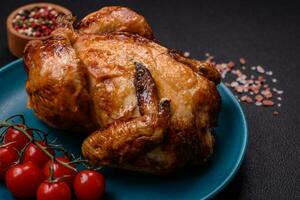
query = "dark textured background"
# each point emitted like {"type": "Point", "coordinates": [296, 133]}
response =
{"type": "Point", "coordinates": [263, 33]}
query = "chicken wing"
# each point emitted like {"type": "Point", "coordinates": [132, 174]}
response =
{"type": "Point", "coordinates": [115, 19]}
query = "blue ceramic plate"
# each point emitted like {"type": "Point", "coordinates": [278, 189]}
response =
{"type": "Point", "coordinates": [231, 141]}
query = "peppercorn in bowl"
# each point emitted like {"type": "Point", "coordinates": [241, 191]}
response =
{"type": "Point", "coordinates": [32, 21]}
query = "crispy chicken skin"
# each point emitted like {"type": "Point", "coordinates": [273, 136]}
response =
{"type": "Point", "coordinates": [147, 108]}
{"type": "Point", "coordinates": [115, 19]}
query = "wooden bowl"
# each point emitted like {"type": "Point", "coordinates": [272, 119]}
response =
{"type": "Point", "coordinates": [17, 41]}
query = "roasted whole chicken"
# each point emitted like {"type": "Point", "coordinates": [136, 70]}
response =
{"type": "Point", "coordinates": [147, 108]}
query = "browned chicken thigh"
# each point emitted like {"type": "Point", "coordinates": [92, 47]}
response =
{"type": "Point", "coordinates": [147, 108]}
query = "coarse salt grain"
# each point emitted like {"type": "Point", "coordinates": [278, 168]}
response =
{"type": "Point", "coordinates": [258, 103]}
{"type": "Point", "coordinates": [259, 98]}
{"type": "Point", "coordinates": [239, 89]}
{"type": "Point", "coordinates": [279, 91]}
{"type": "Point", "coordinates": [270, 73]}
{"type": "Point", "coordinates": [267, 103]}
{"type": "Point", "coordinates": [230, 64]}
{"type": "Point", "coordinates": [260, 69]}
{"type": "Point", "coordinates": [261, 79]}
{"type": "Point", "coordinates": [243, 98]}
{"type": "Point", "coordinates": [249, 100]}
{"type": "Point", "coordinates": [186, 54]}
{"type": "Point", "coordinates": [242, 61]}
{"type": "Point", "coordinates": [234, 84]}
{"type": "Point", "coordinates": [267, 93]}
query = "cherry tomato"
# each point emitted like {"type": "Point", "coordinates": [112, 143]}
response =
{"type": "Point", "coordinates": [8, 156]}
{"type": "Point", "coordinates": [60, 170]}
{"type": "Point", "coordinates": [54, 191]}
{"type": "Point", "coordinates": [18, 138]}
{"type": "Point", "coordinates": [24, 179]}
{"type": "Point", "coordinates": [36, 155]}
{"type": "Point", "coordinates": [89, 185]}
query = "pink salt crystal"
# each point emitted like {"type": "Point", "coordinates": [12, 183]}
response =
{"type": "Point", "coordinates": [249, 100]}
{"type": "Point", "coordinates": [267, 93]}
{"type": "Point", "coordinates": [259, 98]}
{"type": "Point", "coordinates": [234, 84]}
{"type": "Point", "coordinates": [186, 54]}
{"type": "Point", "coordinates": [242, 61]}
{"type": "Point", "coordinates": [258, 103]}
{"type": "Point", "coordinates": [268, 103]}
{"type": "Point", "coordinates": [238, 89]}
{"type": "Point", "coordinates": [261, 79]}
{"type": "Point", "coordinates": [260, 69]}
{"type": "Point", "coordinates": [243, 98]}
{"type": "Point", "coordinates": [230, 64]}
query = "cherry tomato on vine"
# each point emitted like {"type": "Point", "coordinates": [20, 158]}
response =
{"type": "Point", "coordinates": [18, 139]}
{"type": "Point", "coordinates": [54, 191]}
{"type": "Point", "coordinates": [59, 170]}
{"type": "Point", "coordinates": [36, 155]}
{"type": "Point", "coordinates": [89, 184]}
{"type": "Point", "coordinates": [24, 179]}
{"type": "Point", "coordinates": [8, 156]}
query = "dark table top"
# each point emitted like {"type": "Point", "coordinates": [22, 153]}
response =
{"type": "Point", "coordinates": [264, 33]}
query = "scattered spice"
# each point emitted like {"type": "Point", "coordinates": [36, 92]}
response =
{"type": "Point", "coordinates": [36, 21]}
{"type": "Point", "coordinates": [250, 87]}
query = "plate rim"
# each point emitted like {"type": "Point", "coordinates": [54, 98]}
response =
{"type": "Point", "coordinates": [242, 153]}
